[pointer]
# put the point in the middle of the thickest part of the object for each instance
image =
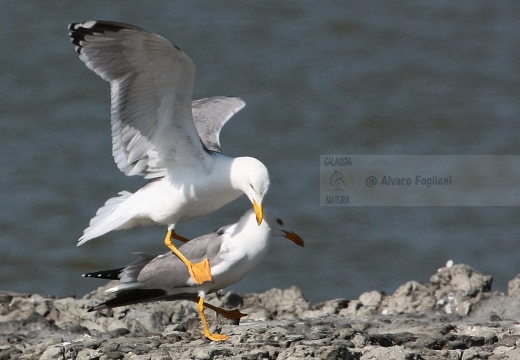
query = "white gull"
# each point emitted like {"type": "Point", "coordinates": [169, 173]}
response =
{"type": "Point", "coordinates": [154, 136]}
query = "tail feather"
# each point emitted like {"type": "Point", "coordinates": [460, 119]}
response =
{"type": "Point", "coordinates": [105, 274]}
{"type": "Point", "coordinates": [107, 218]}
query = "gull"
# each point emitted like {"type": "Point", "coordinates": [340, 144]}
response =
{"type": "Point", "coordinates": [154, 136]}
{"type": "Point", "coordinates": [233, 251]}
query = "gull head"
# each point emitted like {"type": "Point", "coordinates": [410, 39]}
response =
{"type": "Point", "coordinates": [252, 178]}
{"type": "Point", "coordinates": [272, 226]}
{"type": "Point", "coordinates": [278, 228]}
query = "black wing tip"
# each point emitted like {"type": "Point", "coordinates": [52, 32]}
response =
{"type": "Point", "coordinates": [136, 296]}
{"type": "Point", "coordinates": [105, 274]}
{"type": "Point", "coordinates": [79, 30]}
{"type": "Point", "coordinates": [101, 26]}
{"type": "Point", "coordinates": [90, 275]}
{"type": "Point", "coordinates": [77, 34]}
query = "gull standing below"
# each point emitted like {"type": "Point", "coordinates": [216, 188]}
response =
{"type": "Point", "coordinates": [233, 251]}
{"type": "Point", "coordinates": [154, 136]}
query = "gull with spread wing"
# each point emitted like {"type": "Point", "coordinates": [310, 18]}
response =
{"type": "Point", "coordinates": [154, 135]}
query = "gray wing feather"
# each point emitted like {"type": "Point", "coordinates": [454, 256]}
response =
{"type": "Point", "coordinates": [167, 271]}
{"type": "Point", "coordinates": [211, 114]}
{"type": "Point", "coordinates": [131, 272]}
{"type": "Point", "coordinates": [151, 85]}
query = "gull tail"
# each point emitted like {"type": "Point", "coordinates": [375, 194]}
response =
{"type": "Point", "coordinates": [111, 216]}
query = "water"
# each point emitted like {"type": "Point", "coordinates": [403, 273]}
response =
{"type": "Point", "coordinates": [417, 78]}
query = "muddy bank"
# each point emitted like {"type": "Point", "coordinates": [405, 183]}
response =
{"type": "Point", "coordinates": [453, 316]}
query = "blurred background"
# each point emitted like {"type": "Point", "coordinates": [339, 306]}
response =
{"type": "Point", "coordinates": [363, 77]}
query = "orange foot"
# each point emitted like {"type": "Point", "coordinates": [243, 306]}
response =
{"type": "Point", "coordinates": [200, 272]}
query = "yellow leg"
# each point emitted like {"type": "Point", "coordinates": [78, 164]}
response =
{"type": "Point", "coordinates": [176, 236]}
{"type": "Point", "coordinates": [207, 333]}
{"type": "Point", "coordinates": [228, 314]}
{"type": "Point", "coordinates": [200, 272]}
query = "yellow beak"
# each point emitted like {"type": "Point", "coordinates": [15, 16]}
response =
{"type": "Point", "coordinates": [295, 238]}
{"type": "Point", "coordinates": [259, 211]}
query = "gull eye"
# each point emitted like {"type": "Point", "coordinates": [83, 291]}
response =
{"type": "Point", "coordinates": [251, 186]}
{"type": "Point", "coordinates": [279, 221]}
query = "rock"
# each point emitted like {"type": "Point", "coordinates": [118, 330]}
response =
{"type": "Point", "coordinates": [325, 308]}
{"type": "Point", "coordinates": [278, 303]}
{"type": "Point", "coordinates": [52, 353]}
{"type": "Point", "coordinates": [394, 353]}
{"type": "Point", "coordinates": [409, 298]}
{"type": "Point", "coordinates": [88, 354]}
{"type": "Point", "coordinates": [458, 287]}
{"type": "Point", "coordinates": [9, 352]}
{"type": "Point", "coordinates": [454, 316]}
{"type": "Point", "coordinates": [359, 340]}
{"type": "Point", "coordinates": [495, 308]}
{"type": "Point", "coordinates": [371, 299]}
{"type": "Point", "coordinates": [453, 289]}
{"type": "Point", "coordinates": [352, 308]}
{"type": "Point", "coordinates": [513, 287]}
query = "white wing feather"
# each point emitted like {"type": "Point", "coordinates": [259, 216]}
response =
{"type": "Point", "coordinates": [151, 85]}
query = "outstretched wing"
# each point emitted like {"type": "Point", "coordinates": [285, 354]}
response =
{"type": "Point", "coordinates": [211, 114]}
{"type": "Point", "coordinates": [151, 88]}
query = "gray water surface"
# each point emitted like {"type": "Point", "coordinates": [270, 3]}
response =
{"type": "Point", "coordinates": [363, 77]}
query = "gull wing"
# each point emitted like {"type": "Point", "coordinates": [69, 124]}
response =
{"type": "Point", "coordinates": [167, 271]}
{"type": "Point", "coordinates": [151, 84]}
{"type": "Point", "coordinates": [137, 296]}
{"type": "Point", "coordinates": [211, 114]}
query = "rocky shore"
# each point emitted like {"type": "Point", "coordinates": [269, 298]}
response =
{"type": "Point", "coordinates": [453, 316]}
